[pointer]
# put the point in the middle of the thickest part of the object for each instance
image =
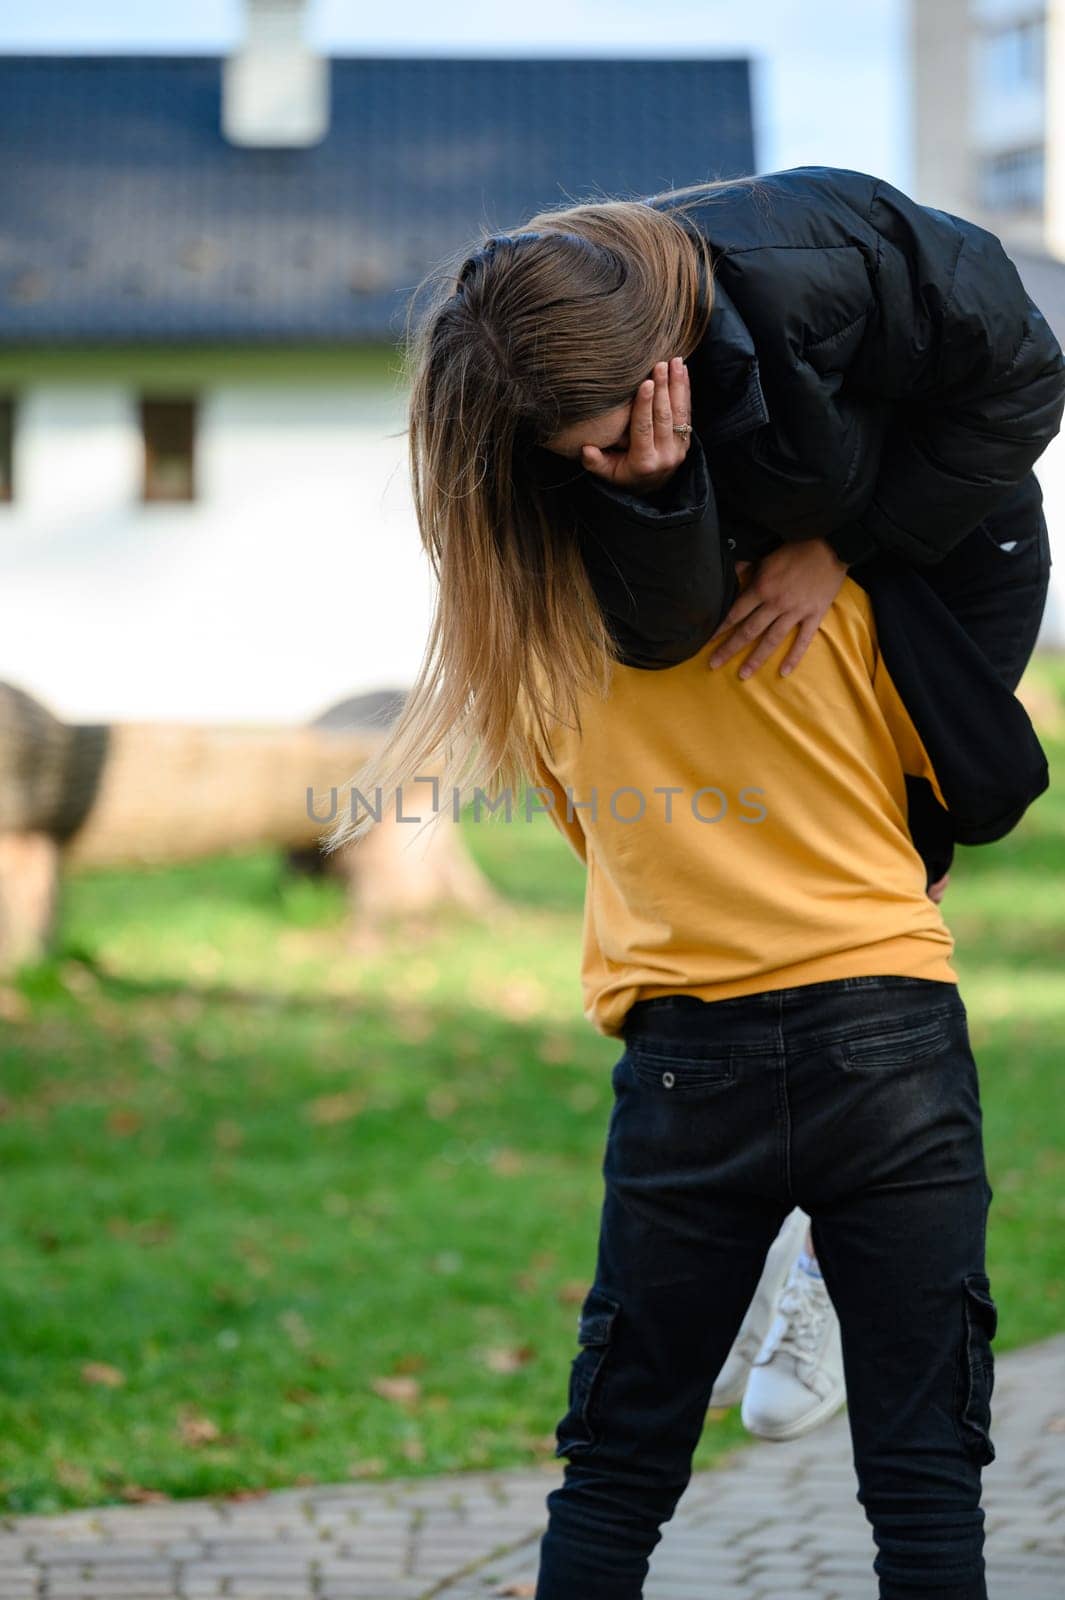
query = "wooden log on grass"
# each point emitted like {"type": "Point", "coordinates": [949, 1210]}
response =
{"type": "Point", "coordinates": [74, 796]}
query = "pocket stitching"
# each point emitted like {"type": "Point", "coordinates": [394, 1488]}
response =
{"type": "Point", "coordinates": [688, 1074]}
{"type": "Point", "coordinates": [691, 1067]}
{"type": "Point", "coordinates": [897, 1046]}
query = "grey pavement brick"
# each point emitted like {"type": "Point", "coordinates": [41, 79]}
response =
{"type": "Point", "coordinates": [267, 1588]}
{"type": "Point", "coordinates": [348, 1590]}
{"type": "Point", "coordinates": [85, 1554]}
{"type": "Point", "coordinates": [106, 1588]}
{"type": "Point", "coordinates": [256, 1551]}
{"type": "Point", "coordinates": [363, 1568]}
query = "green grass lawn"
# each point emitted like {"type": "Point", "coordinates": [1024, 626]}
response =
{"type": "Point", "coordinates": [279, 1213]}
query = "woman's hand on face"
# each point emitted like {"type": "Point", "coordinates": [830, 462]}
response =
{"type": "Point", "coordinates": [654, 451]}
{"type": "Point", "coordinates": [793, 587]}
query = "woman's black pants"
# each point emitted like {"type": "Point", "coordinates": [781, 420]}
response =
{"type": "Point", "coordinates": [995, 583]}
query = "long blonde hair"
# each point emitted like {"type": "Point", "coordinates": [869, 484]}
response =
{"type": "Point", "coordinates": [537, 330]}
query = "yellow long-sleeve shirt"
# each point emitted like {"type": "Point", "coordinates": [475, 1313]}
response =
{"type": "Point", "coordinates": [782, 855]}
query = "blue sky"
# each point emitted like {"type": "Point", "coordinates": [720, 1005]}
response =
{"type": "Point", "coordinates": [829, 75]}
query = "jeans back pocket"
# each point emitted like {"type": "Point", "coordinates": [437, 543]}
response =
{"type": "Point", "coordinates": [898, 1041]}
{"type": "Point", "coordinates": [680, 1066]}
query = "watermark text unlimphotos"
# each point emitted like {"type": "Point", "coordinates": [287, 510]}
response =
{"type": "Point", "coordinates": [625, 804]}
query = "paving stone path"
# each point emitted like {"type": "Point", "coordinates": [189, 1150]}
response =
{"type": "Point", "coordinates": [774, 1522]}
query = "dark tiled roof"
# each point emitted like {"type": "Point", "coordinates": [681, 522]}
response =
{"type": "Point", "coordinates": [125, 215]}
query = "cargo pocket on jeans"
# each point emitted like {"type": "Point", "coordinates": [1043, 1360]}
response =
{"type": "Point", "coordinates": [577, 1431]}
{"type": "Point", "coordinates": [975, 1374]}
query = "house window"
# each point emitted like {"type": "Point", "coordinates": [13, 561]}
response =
{"type": "Point", "coordinates": [7, 448]}
{"type": "Point", "coordinates": [168, 428]}
{"type": "Point", "coordinates": [1015, 57]}
{"type": "Point", "coordinates": [1014, 180]}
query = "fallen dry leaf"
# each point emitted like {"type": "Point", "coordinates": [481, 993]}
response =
{"type": "Point", "coordinates": [145, 1230]}
{"type": "Point", "coordinates": [101, 1372]}
{"type": "Point", "coordinates": [297, 1395]}
{"type": "Point", "coordinates": [554, 1048]}
{"type": "Point", "coordinates": [195, 1429]}
{"type": "Point", "coordinates": [519, 999]}
{"type": "Point", "coordinates": [139, 1495]}
{"type": "Point", "coordinates": [72, 1475]}
{"type": "Point", "coordinates": [331, 1108]}
{"type": "Point", "coordinates": [572, 1293]}
{"type": "Point", "coordinates": [14, 1007]}
{"type": "Point", "coordinates": [411, 1362]}
{"type": "Point", "coordinates": [227, 1134]}
{"type": "Point", "coordinates": [161, 1051]}
{"type": "Point", "coordinates": [440, 1103]}
{"type": "Point", "coordinates": [123, 1120]}
{"type": "Point", "coordinates": [413, 1026]}
{"type": "Point", "coordinates": [78, 979]}
{"type": "Point", "coordinates": [507, 1163]}
{"type": "Point", "coordinates": [542, 1445]}
{"type": "Point", "coordinates": [396, 1388]}
{"type": "Point", "coordinates": [296, 1328]}
{"type": "Point", "coordinates": [508, 1358]}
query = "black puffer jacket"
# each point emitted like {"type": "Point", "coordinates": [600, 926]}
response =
{"type": "Point", "coordinates": [875, 374]}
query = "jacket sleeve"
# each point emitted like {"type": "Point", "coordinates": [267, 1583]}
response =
{"type": "Point", "coordinates": [657, 562]}
{"type": "Point", "coordinates": [980, 377]}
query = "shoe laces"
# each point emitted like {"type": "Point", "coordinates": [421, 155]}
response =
{"type": "Point", "coordinates": [801, 1318]}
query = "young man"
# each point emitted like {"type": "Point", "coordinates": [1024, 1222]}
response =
{"type": "Point", "coordinates": [758, 933]}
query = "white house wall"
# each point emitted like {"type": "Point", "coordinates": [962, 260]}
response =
{"type": "Point", "coordinates": [295, 579]}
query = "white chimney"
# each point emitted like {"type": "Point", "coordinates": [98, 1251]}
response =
{"type": "Point", "coordinates": [275, 89]}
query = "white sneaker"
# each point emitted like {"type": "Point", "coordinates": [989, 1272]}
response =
{"type": "Point", "coordinates": [731, 1381]}
{"type": "Point", "coordinates": [796, 1380]}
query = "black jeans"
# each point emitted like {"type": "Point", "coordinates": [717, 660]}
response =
{"type": "Point", "coordinates": [999, 594]}
{"type": "Point", "coordinates": [857, 1100]}
{"type": "Point", "coordinates": [995, 585]}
